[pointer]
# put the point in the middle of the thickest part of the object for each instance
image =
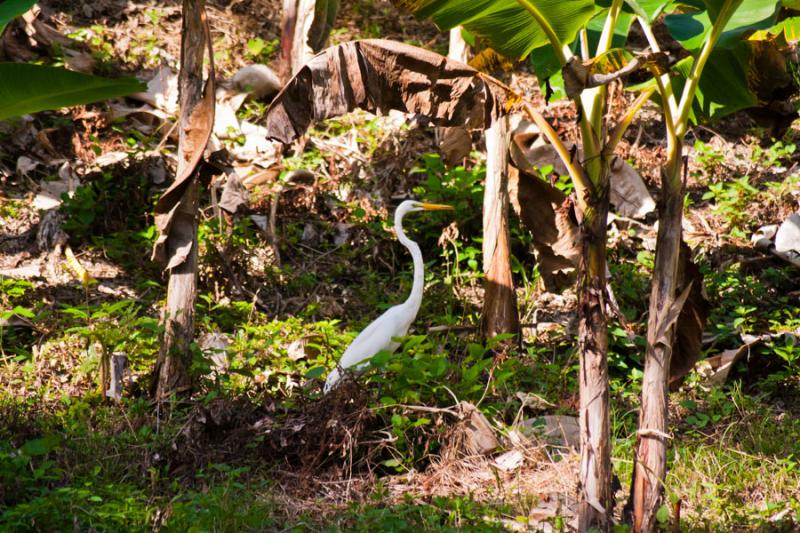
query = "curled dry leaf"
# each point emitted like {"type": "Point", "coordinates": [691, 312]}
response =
{"type": "Point", "coordinates": [614, 64]}
{"type": "Point", "coordinates": [691, 319]}
{"type": "Point", "coordinates": [377, 76]}
{"type": "Point", "coordinates": [196, 124]}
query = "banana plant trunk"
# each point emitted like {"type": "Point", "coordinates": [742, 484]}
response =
{"type": "Point", "coordinates": [651, 450]}
{"type": "Point", "coordinates": [177, 209]}
{"type": "Point", "coordinates": [174, 358]}
{"type": "Point", "coordinates": [595, 465]}
{"type": "Point", "coordinates": [500, 301]}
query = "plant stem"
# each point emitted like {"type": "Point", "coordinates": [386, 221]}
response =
{"type": "Point", "coordinates": [663, 82]}
{"type": "Point", "coordinates": [651, 455]}
{"type": "Point", "coordinates": [595, 465]}
{"type": "Point", "coordinates": [651, 449]}
{"type": "Point", "coordinates": [690, 88]}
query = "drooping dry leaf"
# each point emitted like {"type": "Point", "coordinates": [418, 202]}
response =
{"type": "Point", "coordinates": [550, 217]}
{"type": "Point", "coordinates": [377, 76]}
{"type": "Point", "coordinates": [196, 124]}
{"type": "Point", "coordinates": [546, 212]}
{"type": "Point", "coordinates": [691, 320]}
{"type": "Point", "coordinates": [455, 144]}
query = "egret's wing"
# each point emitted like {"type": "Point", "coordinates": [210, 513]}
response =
{"type": "Point", "coordinates": [377, 336]}
{"type": "Point", "coordinates": [374, 338]}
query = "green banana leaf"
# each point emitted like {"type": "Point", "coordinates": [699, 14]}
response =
{"type": "Point", "coordinates": [504, 24]}
{"type": "Point", "coordinates": [723, 87]}
{"type": "Point", "coordinates": [27, 88]}
{"type": "Point", "coordinates": [788, 29]}
{"type": "Point", "coordinates": [690, 29]}
{"type": "Point", "coordinates": [11, 9]}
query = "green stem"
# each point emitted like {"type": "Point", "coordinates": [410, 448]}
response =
{"type": "Point", "coordinates": [582, 183]}
{"type": "Point", "coordinates": [622, 126]}
{"type": "Point", "coordinates": [593, 103]}
{"type": "Point", "coordinates": [690, 88]}
{"type": "Point", "coordinates": [608, 28]}
{"type": "Point", "coordinates": [666, 92]}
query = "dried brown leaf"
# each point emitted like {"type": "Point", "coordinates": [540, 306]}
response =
{"type": "Point", "coordinates": [378, 75]}
{"type": "Point", "coordinates": [691, 320]}
{"type": "Point", "coordinates": [196, 125]}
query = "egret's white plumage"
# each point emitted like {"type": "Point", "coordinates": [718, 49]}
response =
{"type": "Point", "coordinates": [396, 320]}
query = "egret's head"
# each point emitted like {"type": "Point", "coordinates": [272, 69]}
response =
{"type": "Point", "coordinates": [412, 205]}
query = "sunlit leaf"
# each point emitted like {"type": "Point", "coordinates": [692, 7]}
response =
{"type": "Point", "coordinates": [29, 88]}
{"type": "Point", "coordinates": [504, 24]}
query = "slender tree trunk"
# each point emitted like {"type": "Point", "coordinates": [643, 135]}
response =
{"type": "Point", "coordinates": [595, 467]}
{"type": "Point", "coordinates": [500, 302]}
{"type": "Point", "coordinates": [177, 209]}
{"type": "Point", "coordinates": [175, 357]}
{"type": "Point", "coordinates": [651, 451]}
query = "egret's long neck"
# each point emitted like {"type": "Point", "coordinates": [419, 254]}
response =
{"type": "Point", "coordinates": [416, 254]}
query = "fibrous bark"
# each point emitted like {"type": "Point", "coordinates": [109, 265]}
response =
{"type": "Point", "coordinates": [305, 26]}
{"type": "Point", "coordinates": [595, 465]}
{"type": "Point", "coordinates": [665, 305]}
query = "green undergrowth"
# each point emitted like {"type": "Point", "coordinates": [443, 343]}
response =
{"type": "Point", "coordinates": [68, 460]}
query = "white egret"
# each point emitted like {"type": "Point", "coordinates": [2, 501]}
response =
{"type": "Point", "coordinates": [396, 320]}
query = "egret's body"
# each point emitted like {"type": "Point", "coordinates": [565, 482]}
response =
{"type": "Point", "coordinates": [396, 321]}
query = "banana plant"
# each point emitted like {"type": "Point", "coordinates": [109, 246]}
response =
{"type": "Point", "coordinates": [517, 28]}
{"type": "Point", "coordinates": [714, 30]}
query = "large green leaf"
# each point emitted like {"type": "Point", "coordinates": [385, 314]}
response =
{"type": "Point", "coordinates": [26, 88]}
{"type": "Point", "coordinates": [11, 9]}
{"type": "Point", "coordinates": [691, 28]}
{"type": "Point", "coordinates": [504, 24]}
{"type": "Point", "coordinates": [788, 29]}
{"type": "Point", "coordinates": [724, 87]}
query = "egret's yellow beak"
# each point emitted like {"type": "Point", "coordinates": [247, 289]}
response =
{"type": "Point", "coordinates": [437, 207]}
